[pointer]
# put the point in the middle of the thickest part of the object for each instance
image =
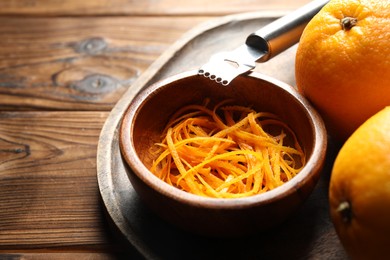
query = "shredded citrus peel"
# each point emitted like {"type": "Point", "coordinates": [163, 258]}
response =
{"type": "Point", "coordinates": [225, 152]}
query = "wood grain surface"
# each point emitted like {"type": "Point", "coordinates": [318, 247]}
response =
{"type": "Point", "coordinates": [47, 169]}
{"type": "Point", "coordinates": [79, 63]}
{"type": "Point", "coordinates": [50, 205]}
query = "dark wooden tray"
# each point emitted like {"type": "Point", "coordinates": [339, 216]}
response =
{"type": "Point", "coordinates": [307, 235]}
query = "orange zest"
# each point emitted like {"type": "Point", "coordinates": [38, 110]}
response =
{"type": "Point", "coordinates": [225, 152]}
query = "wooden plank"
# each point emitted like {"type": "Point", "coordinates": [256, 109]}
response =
{"type": "Point", "coordinates": [145, 7]}
{"type": "Point", "coordinates": [79, 63]}
{"type": "Point", "coordinates": [49, 193]}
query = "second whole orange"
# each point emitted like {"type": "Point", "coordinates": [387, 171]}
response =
{"type": "Point", "coordinates": [343, 63]}
{"type": "Point", "coordinates": [359, 190]}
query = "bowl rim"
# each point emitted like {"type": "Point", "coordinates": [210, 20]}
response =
{"type": "Point", "coordinates": [312, 167]}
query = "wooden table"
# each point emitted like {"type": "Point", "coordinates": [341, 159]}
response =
{"type": "Point", "coordinates": [63, 67]}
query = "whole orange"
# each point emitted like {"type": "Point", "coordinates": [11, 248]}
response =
{"type": "Point", "coordinates": [359, 191]}
{"type": "Point", "coordinates": [343, 63]}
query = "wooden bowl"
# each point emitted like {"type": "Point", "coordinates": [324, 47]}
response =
{"type": "Point", "coordinates": [147, 115]}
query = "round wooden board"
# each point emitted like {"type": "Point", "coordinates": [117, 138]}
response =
{"type": "Point", "coordinates": [307, 235]}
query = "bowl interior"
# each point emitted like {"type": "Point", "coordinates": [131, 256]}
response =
{"type": "Point", "coordinates": [154, 107]}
